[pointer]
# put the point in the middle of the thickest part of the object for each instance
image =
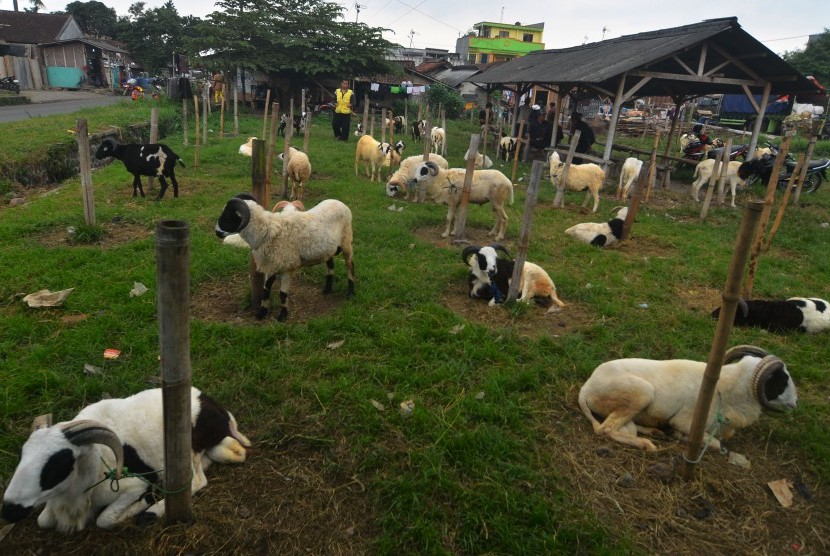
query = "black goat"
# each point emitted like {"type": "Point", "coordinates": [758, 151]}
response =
{"type": "Point", "coordinates": [418, 129]}
{"type": "Point", "coordinates": [144, 160]}
{"type": "Point", "coordinates": [797, 313]}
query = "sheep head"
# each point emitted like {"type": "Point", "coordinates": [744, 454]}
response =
{"type": "Point", "coordinates": [107, 148]}
{"type": "Point", "coordinates": [234, 217]}
{"type": "Point", "coordinates": [426, 170]}
{"type": "Point", "coordinates": [771, 382]}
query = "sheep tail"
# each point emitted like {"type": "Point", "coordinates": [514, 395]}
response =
{"type": "Point", "coordinates": [180, 161]}
{"type": "Point", "coordinates": [511, 194]}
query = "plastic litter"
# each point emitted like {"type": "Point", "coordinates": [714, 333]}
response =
{"type": "Point", "coordinates": [138, 289]}
{"type": "Point", "coordinates": [46, 298]}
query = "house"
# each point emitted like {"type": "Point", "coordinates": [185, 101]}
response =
{"type": "Point", "coordinates": [384, 90]}
{"type": "Point", "coordinates": [51, 50]}
{"type": "Point", "coordinates": [499, 42]}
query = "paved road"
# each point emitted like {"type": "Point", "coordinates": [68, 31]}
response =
{"type": "Point", "coordinates": [46, 103]}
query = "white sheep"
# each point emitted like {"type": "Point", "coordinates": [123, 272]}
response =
{"type": "Point", "coordinates": [438, 136]}
{"type": "Point", "coordinates": [299, 171]}
{"type": "Point", "coordinates": [247, 149]}
{"type": "Point", "coordinates": [630, 172]}
{"type": "Point", "coordinates": [283, 242]}
{"type": "Point", "coordinates": [581, 177]}
{"type": "Point", "coordinates": [235, 240]}
{"type": "Point", "coordinates": [483, 161]}
{"type": "Point", "coordinates": [445, 188]}
{"type": "Point", "coordinates": [63, 465]}
{"type": "Point", "coordinates": [631, 395]}
{"type": "Point", "coordinates": [600, 234]}
{"type": "Point", "coordinates": [374, 155]}
{"type": "Point", "coordinates": [507, 145]}
{"type": "Point", "coordinates": [405, 175]}
{"type": "Point", "coordinates": [703, 172]}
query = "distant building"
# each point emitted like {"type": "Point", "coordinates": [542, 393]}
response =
{"type": "Point", "coordinates": [423, 55]}
{"type": "Point", "coordinates": [499, 42]}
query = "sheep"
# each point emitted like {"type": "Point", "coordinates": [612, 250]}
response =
{"type": "Point", "coordinates": [630, 171]}
{"type": "Point", "coordinates": [581, 177]}
{"type": "Point", "coordinates": [600, 234]}
{"type": "Point", "coordinates": [761, 152]}
{"type": "Point", "coordinates": [283, 242]}
{"type": "Point", "coordinates": [405, 175]}
{"type": "Point", "coordinates": [808, 314]}
{"type": "Point", "coordinates": [284, 118]}
{"type": "Point", "coordinates": [490, 278]}
{"type": "Point", "coordinates": [300, 122]}
{"type": "Point", "coordinates": [445, 187]}
{"type": "Point", "coordinates": [154, 159]}
{"type": "Point", "coordinates": [507, 146]}
{"type": "Point", "coordinates": [644, 395]}
{"type": "Point", "coordinates": [418, 128]}
{"type": "Point", "coordinates": [374, 155]}
{"type": "Point", "coordinates": [438, 136]}
{"type": "Point", "coordinates": [703, 172]}
{"type": "Point", "coordinates": [483, 161]}
{"type": "Point", "coordinates": [66, 466]}
{"type": "Point", "coordinates": [399, 122]}
{"type": "Point", "coordinates": [235, 240]}
{"type": "Point", "coordinates": [299, 171]}
{"type": "Point", "coordinates": [247, 149]}
{"type": "Point", "coordinates": [358, 131]}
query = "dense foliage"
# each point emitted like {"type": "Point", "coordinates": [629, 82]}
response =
{"type": "Point", "coordinates": [814, 59]}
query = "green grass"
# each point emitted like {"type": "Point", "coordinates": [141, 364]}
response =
{"type": "Point", "coordinates": [461, 460]}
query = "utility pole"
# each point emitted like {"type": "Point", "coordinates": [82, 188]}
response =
{"type": "Point", "coordinates": [412, 34]}
{"type": "Point", "coordinates": [357, 10]}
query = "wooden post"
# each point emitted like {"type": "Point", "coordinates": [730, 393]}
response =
{"type": "Point", "coordinates": [82, 132]}
{"type": "Point", "coordinates": [652, 165]}
{"type": "Point", "coordinates": [259, 189]}
{"type": "Point", "coordinates": [371, 125]}
{"type": "Point", "coordinates": [802, 163]}
{"type": "Point", "coordinates": [803, 175]}
{"type": "Point", "coordinates": [756, 129]}
{"type": "Point", "coordinates": [724, 169]}
{"type": "Point", "coordinates": [173, 278]}
{"type": "Point", "coordinates": [196, 129]}
{"type": "Point", "coordinates": [769, 199]}
{"type": "Point", "coordinates": [711, 186]}
{"type": "Point", "coordinates": [235, 112]}
{"type": "Point", "coordinates": [524, 237]}
{"type": "Point", "coordinates": [184, 121]}
{"type": "Point", "coordinates": [302, 102]}
{"type": "Point", "coordinates": [484, 133]}
{"type": "Point", "coordinates": [678, 101]}
{"type": "Point", "coordinates": [634, 204]}
{"type": "Point", "coordinates": [307, 132]}
{"type": "Point", "coordinates": [366, 113]}
{"type": "Point", "coordinates": [154, 138]}
{"type": "Point", "coordinates": [559, 199]}
{"type": "Point", "coordinates": [406, 116]}
{"type": "Point", "coordinates": [422, 187]}
{"type": "Point", "coordinates": [446, 135]}
{"type": "Point", "coordinates": [289, 134]}
{"type": "Point", "coordinates": [205, 112]}
{"type": "Point", "coordinates": [516, 150]}
{"type": "Point", "coordinates": [272, 139]}
{"type": "Point", "coordinates": [461, 211]}
{"type": "Point", "coordinates": [383, 125]}
{"type": "Point", "coordinates": [265, 115]}
{"type": "Point", "coordinates": [749, 224]}
{"type": "Point", "coordinates": [222, 114]}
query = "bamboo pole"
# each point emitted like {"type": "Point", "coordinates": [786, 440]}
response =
{"type": "Point", "coordinates": [803, 175]}
{"type": "Point", "coordinates": [371, 125]}
{"type": "Point", "coordinates": [196, 130]}
{"type": "Point", "coordinates": [634, 204]}
{"type": "Point", "coordinates": [652, 165]}
{"type": "Point", "coordinates": [461, 210]}
{"type": "Point", "coordinates": [422, 186]}
{"type": "Point", "coordinates": [184, 121]}
{"type": "Point", "coordinates": [259, 189]}
{"type": "Point", "coordinates": [366, 113]}
{"type": "Point", "coordinates": [674, 128]}
{"type": "Point", "coordinates": [704, 211]}
{"type": "Point", "coordinates": [559, 199]}
{"type": "Point", "coordinates": [307, 132]}
{"type": "Point", "coordinates": [173, 278]}
{"type": "Point", "coordinates": [154, 138]}
{"type": "Point", "coordinates": [235, 112]}
{"type": "Point", "coordinates": [516, 150]}
{"type": "Point", "coordinates": [784, 200]}
{"type": "Point", "coordinates": [222, 114]}
{"type": "Point", "coordinates": [286, 146]}
{"type": "Point", "coordinates": [527, 221]}
{"type": "Point", "coordinates": [383, 125]}
{"type": "Point", "coordinates": [724, 170]}
{"type": "Point", "coordinates": [265, 115]}
{"type": "Point", "coordinates": [205, 113]}
{"type": "Point", "coordinates": [88, 192]}
{"type": "Point", "coordinates": [749, 225]}
{"type": "Point", "coordinates": [444, 127]}
{"type": "Point", "coordinates": [769, 199]}
{"type": "Point", "coordinates": [272, 139]}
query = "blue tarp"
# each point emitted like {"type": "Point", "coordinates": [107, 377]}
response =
{"type": "Point", "coordinates": [739, 104]}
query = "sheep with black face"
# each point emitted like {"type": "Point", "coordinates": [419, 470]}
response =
{"type": "Point", "coordinates": [154, 159]}
{"type": "Point", "coordinates": [807, 314]}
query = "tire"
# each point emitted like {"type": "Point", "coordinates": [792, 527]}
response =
{"type": "Point", "coordinates": [811, 183]}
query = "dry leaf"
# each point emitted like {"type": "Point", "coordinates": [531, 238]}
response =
{"type": "Point", "coordinates": [73, 319]}
{"type": "Point", "coordinates": [46, 298]}
{"type": "Point", "coordinates": [379, 406]}
{"type": "Point", "coordinates": [337, 344]}
{"type": "Point", "coordinates": [138, 289]}
{"type": "Point", "coordinates": [782, 492]}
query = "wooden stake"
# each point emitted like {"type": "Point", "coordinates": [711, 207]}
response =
{"type": "Point", "coordinates": [634, 205]}
{"type": "Point", "coordinates": [516, 150]}
{"type": "Point", "coordinates": [559, 199]}
{"type": "Point", "coordinates": [711, 186]}
{"type": "Point", "coordinates": [222, 114]}
{"type": "Point", "coordinates": [272, 139]}
{"type": "Point", "coordinates": [366, 113]}
{"type": "Point", "coordinates": [802, 163]}
{"type": "Point", "coordinates": [461, 210]}
{"type": "Point", "coordinates": [154, 138]}
{"type": "Point", "coordinates": [724, 170]}
{"type": "Point", "coordinates": [184, 121]}
{"type": "Point", "coordinates": [652, 165]}
{"type": "Point", "coordinates": [803, 175]}
{"type": "Point", "coordinates": [235, 113]}
{"type": "Point", "coordinates": [173, 300]}
{"type": "Point", "coordinates": [422, 189]}
{"type": "Point", "coordinates": [749, 225]}
{"type": "Point", "coordinates": [205, 112]}
{"type": "Point", "coordinates": [286, 146]}
{"type": "Point", "coordinates": [82, 133]}
{"type": "Point", "coordinates": [524, 237]}
{"type": "Point", "coordinates": [196, 129]}
{"type": "Point", "coordinates": [446, 135]}
{"type": "Point", "coordinates": [383, 125]}
{"type": "Point", "coordinates": [307, 132]}
{"type": "Point", "coordinates": [265, 115]}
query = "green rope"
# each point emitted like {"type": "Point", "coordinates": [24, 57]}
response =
{"type": "Point", "coordinates": [713, 432]}
{"type": "Point", "coordinates": [111, 475]}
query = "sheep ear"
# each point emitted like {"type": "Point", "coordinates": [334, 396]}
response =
{"type": "Point", "coordinates": [739, 352]}
{"type": "Point", "coordinates": [42, 422]}
{"type": "Point", "coordinates": [81, 433]}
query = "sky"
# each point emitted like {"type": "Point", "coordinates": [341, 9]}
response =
{"type": "Point", "coordinates": [438, 23]}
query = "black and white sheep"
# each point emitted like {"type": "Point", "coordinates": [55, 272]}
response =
{"type": "Point", "coordinates": [418, 128]}
{"type": "Point", "coordinates": [626, 396]}
{"type": "Point", "coordinates": [283, 242]}
{"type": "Point", "coordinates": [507, 145]}
{"type": "Point", "coordinates": [399, 122]}
{"type": "Point", "coordinates": [154, 159]}
{"type": "Point", "coordinates": [490, 277]}
{"type": "Point", "coordinates": [64, 465]}
{"type": "Point", "coordinates": [808, 314]}
{"type": "Point", "coordinates": [405, 177]}
{"type": "Point", "coordinates": [600, 234]}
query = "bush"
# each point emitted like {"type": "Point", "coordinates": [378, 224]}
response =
{"type": "Point", "coordinates": [449, 99]}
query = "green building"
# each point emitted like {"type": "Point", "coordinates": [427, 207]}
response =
{"type": "Point", "coordinates": [498, 42]}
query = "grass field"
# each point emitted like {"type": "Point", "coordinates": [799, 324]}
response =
{"type": "Point", "coordinates": [496, 457]}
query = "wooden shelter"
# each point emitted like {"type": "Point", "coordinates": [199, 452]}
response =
{"type": "Point", "coordinates": [714, 56]}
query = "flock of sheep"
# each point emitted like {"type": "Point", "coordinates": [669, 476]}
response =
{"type": "Point", "coordinates": [70, 467]}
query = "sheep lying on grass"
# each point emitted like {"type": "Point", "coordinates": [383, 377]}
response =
{"type": "Point", "coordinates": [581, 177]}
{"type": "Point", "coordinates": [600, 234]}
{"type": "Point", "coordinates": [630, 171]}
{"type": "Point", "coordinates": [247, 149]}
{"type": "Point", "coordinates": [283, 242]}
{"type": "Point", "coordinates": [808, 314]}
{"type": "Point", "coordinates": [445, 188]}
{"type": "Point", "coordinates": [144, 160]}
{"type": "Point", "coordinates": [483, 161]}
{"type": "Point", "coordinates": [490, 277]}
{"type": "Point", "coordinates": [703, 172]}
{"type": "Point", "coordinates": [299, 171]}
{"type": "Point", "coordinates": [405, 175]}
{"type": "Point", "coordinates": [66, 466]}
{"type": "Point", "coordinates": [626, 396]}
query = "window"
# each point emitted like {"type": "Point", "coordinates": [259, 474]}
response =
{"type": "Point", "coordinates": [485, 32]}
{"type": "Point", "coordinates": [527, 37]}
{"type": "Point", "coordinates": [471, 58]}
{"type": "Point", "coordinates": [484, 58]}
{"type": "Point", "coordinates": [504, 34]}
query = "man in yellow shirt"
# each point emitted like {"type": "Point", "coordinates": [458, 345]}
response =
{"type": "Point", "coordinates": [343, 105]}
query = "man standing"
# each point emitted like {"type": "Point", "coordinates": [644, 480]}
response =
{"type": "Point", "coordinates": [344, 104]}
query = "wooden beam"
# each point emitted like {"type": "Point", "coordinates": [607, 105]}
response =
{"type": "Point", "coordinates": [743, 67]}
{"type": "Point", "coordinates": [696, 79]}
{"type": "Point", "coordinates": [637, 86]}
{"type": "Point", "coordinates": [702, 61]}
{"type": "Point", "coordinates": [751, 98]}
{"type": "Point", "coordinates": [716, 68]}
{"type": "Point", "coordinates": [683, 65]}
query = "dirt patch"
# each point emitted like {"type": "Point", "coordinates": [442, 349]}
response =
{"type": "Point", "coordinates": [115, 234]}
{"type": "Point", "coordinates": [229, 300]}
{"type": "Point", "coordinates": [726, 509]}
{"type": "Point", "coordinates": [698, 299]}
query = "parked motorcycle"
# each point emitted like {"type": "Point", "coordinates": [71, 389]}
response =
{"type": "Point", "coordinates": [695, 149]}
{"type": "Point", "coordinates": [762, 170]}
{"type": "Point", "coordinates": [10, 84]}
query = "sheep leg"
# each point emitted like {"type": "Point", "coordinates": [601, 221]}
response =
{"type": "Point", "coordinates": [450, 216]}
{"type": "Point", "coordinates": [175, 184]}
{"type": "Point", "coordinates": [163, 188]}
{"type": "Point", "coordinates": [137, 185]}
{"type": "Point", "coordinates": [197, 483]}
{"type": "Point", "coordinates": [285, 283]}
{"type": "Point", "coordinates": [264, 299]}
{"type": "Point", "coordinates": [500, 227]}
{"type": "Point", "coordinates": [329, 275]}
{"type": "Point", "coordinates": [131, 502]}
{"type": "Point", "coordinates": [625, 433]}
{"type": "Point", "coordinates": [588, 195]}
{"type": "Point", "coordinates": [348, 257]}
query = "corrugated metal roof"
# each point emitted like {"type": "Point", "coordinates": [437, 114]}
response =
{"type": "Point", "coordinates": [102, 45]}
{"type": "Point", "coordinates": [453, 77]}
{"type": "Point", "coordinates": [31, 28]}
{"type": "Point", "coordinates": [600, 64]}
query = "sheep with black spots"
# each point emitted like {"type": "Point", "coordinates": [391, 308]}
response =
{"type": "Point", "coordinates": [438, 136]}
{"type": "Point", "coordinates": [507, 145]}
{"type": "Point", "coordinates": [63, 465]}
{"type": "Point", "coordinates": [155, 159]}
{"type": "Point", "coordinates": [600, 234]}
{"type": "Point", "coordinates": [284, 242]}
{"type": "Point", "coordinates": [807, 314]}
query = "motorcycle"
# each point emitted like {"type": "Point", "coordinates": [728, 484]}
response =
{"type": "Point", "coordinates": [695, 149]}
{"type": "Point", "coordinates": [761, 169]}
{"type": "Point", "coordinates": [10, 84]}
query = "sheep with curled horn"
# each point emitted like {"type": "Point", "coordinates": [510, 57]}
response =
{"type": "Point", "coordinates": [626, 396]}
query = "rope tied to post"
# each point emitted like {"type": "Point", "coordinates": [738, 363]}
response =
{"type": "Point", "coordinates": [714, 431]}
{"type": "Point", "coordinates": [111, 475]}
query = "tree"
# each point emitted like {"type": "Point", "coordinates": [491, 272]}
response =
{"type": "Point", "coordinates": [152, 36]}
{"type": "Point", "coordinates": [94, 18]}
{"type": "Point", "coordinates": [813, 60]}
{"type": "Point", "coordinates": [449, 99]}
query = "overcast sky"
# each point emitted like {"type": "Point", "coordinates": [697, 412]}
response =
{"type": "Point", "coordinates": [438, 23]}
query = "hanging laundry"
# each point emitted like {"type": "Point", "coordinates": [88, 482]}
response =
{"type": "Point", "coordinates": [374, 87]}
